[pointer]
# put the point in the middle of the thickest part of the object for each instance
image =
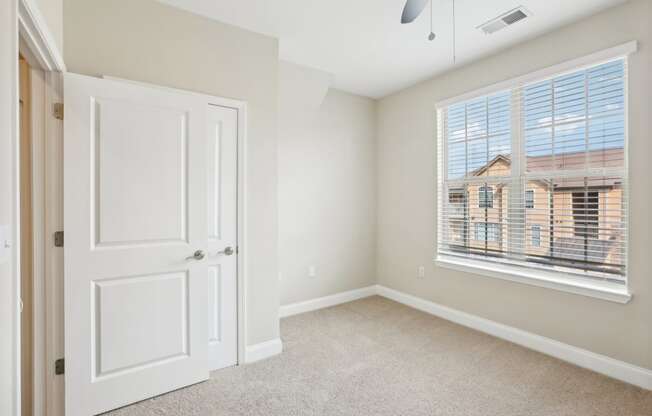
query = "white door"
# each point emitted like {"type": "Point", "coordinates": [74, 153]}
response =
{"type": "Point", "coordinates": [135, 211]}
{"type": "Point", "coordinates": [222, 146]}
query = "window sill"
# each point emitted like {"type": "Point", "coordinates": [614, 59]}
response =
{"type": "Point", "coordinates": [613, 292]}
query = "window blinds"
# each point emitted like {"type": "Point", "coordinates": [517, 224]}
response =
{"type": "Point", "coordinates": [535, 175]}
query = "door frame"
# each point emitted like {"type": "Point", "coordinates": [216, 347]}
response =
{"type": "Point", "coordinates": [30, 35]}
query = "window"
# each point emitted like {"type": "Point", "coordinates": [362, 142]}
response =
{"type": "Point", "coordinates": [457, 202]}
{"type": "Point", "coordinates": [546, 158]}
{"type": "Point", "coordinates": [536, 236]}
{"type": "Point", "coordinates": [485, 197]}
{"type": "Point", "coordinates": [457, 196]}
{"type": "Point", "coordinates": [585, 214]}
{"type": "Point", "coordinates": [529, 198]}
{"type": "Point", "coordinates": [488, 232]}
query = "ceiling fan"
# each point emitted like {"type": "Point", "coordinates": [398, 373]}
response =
{"type": "Point", "coordinates": [413, 9]}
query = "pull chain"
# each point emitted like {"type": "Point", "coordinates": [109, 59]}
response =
{"type": "Point", "coordinates": [432, 35]}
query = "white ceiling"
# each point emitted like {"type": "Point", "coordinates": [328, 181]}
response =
{"type": "Point", "coordinates": [364, 46]}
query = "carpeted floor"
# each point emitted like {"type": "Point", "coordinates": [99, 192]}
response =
{"type": "Point", "coordinates": [377, 357]}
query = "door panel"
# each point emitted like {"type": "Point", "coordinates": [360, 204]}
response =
{"type": "Point", "coordinates": [222, 134]}
{"type": "Point", "coordinates": [135, 209]}
{"type": "Point", "coordinates": [128, 136]}
{"type": "Point", "coordinates": [158, 325]}
{"type": "Point", "coordinates": [214, 312]}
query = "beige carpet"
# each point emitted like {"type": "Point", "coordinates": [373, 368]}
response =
{"type": "Point", "coordinates": [377, 357]}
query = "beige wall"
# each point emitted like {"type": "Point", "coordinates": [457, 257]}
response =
{"type": "Point", "coordinates": [52, 12]}
{"type": "Point", "coordinates": [326, 173]}
{"type": "Point", "coordinates": [406, 198]}
{"type": "Point", "coordinates": [144, 40]}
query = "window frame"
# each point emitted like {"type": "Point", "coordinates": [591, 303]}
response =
{"type": "Point", "coordinates": [532, 274]}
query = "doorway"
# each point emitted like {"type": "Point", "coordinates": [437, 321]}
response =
{"type": "Point", "coordinates": [40, 261]}
{"type": "Point", "coordinates": [43, 390]}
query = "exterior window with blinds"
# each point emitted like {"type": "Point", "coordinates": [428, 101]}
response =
{"type": "Point", "coordinates": [536, 236]}
{"type": "Point", "coordinates": [529, 198]}
{"type": "Point", "coordinates": [535, 175]}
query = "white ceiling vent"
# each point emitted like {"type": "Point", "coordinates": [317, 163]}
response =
{"type": "Point", "coordinates": [504, 20]}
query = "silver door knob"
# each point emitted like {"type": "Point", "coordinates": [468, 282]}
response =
{"type": "Point", "coordinates": [227, 251]}
{"type": "Point", "coordinates": [197, 255]}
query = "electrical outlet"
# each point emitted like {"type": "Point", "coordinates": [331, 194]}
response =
{"type": "Point", "coordinates": [280, 276]}
{"type": "Point", "coordinates": [312, 271]}
{"type": "Point", "coordinates": [421, 272]}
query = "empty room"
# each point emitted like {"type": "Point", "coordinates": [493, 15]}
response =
{"type": "Point", "coordinates": [325, 207]}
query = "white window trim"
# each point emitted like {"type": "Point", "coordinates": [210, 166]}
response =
{"type": "Point", "coordinates": [560, 281]}
{"type": "Point", "coordinates": [614, 292]}
{"type": "Point", "coordinates": [573, 65]}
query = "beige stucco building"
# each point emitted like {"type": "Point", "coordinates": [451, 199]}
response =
{"type": "Point", "coordinates": [571, 219]}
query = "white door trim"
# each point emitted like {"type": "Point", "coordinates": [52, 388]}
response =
{"type": "Point", "coordinates": [36, 42]}
{"type": "Point", "coordinates": [35, 32]}
{"type": "Point", "coordinates": [241, 107]}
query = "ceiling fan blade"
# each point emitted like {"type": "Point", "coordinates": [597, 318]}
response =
{"type": "Point", "coordinates": [412, 10]}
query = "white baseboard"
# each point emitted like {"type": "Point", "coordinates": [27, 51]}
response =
{"type": "Point", "coordinates": [326, 301]}
{"type": "Point", "coordinates": [602, 364]}
{"type": "Point", "coordinates": [263, 350]}
{"type": "Point", "coordinates": [620, 370]}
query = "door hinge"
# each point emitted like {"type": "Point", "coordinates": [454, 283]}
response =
{"type": "Point", "coordinates": [59, 366]}
{"type": "Point", "coordinates": [57, 111]}
{"type": "Point", "coordinates": [58, 239]}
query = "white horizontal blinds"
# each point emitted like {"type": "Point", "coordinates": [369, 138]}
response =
{"type": "Point", "coordinates": [574, 131]}
{"type": "Point", "coordinates": [478, 141]}
{"type": "Point", "coordinates": [576, 121]}
{"type": "Point", "coordinates": [477, 131]}
{"type": "Point", "coordinates": [560, 201]}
